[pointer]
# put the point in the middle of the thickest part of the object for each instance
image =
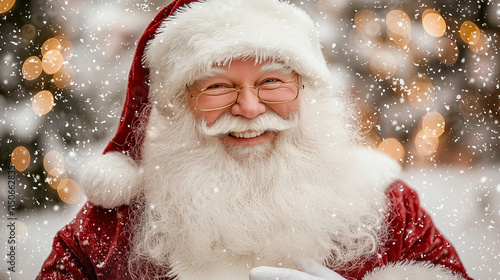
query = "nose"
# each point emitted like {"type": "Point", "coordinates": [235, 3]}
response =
{"type": "Point", "coordinates": [248, 104]}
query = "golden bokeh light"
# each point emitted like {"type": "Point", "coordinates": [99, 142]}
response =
{"type": "Point", "coordinates": [429, 11]}
{"type": "Point", "coordinates": [64, 77]}
{"type": "Point", "coordinates": [52, 61]}
{"type": "Point", "coordinates": [398, 22]}
{"type": "Point", "coordinates": [470, 32]}
{"type": "Point", "coordinates": [6, 5]}
{"type": "Point", "coordinates": [55, 181]}
{"type": "Point", "coordinates": [393, 148]}
{"type": "Point", "coordinates": [69, 191]}
{"type": "Point", "coordinates": [51, 44]}
{"type": "Point", "coordinates": [426, 143]}
{"type": "Point", "coordinates": [43, 102]}
{"type": "Point", "coordinates": [20, 158]}
{"type": "Point", "coordinates": [32, 68]}
{"type": "Point", "coordinates": [383, 65]}
{"type": "Point", "coordinates": [433, 23]}
{"type": "Point", "coordinates": [482, 45]}
{"type": "Point", "coordinates": [421, 92]}
{"type": "Point", "coordinates": [434, 123]}
{"type": "Point", "coordinates": [66, 46]}
{"type": "Point", "coordinates": [53, 162]}
{"type": "Point", "coordinates": [367, 22]}
{"type": "Point", "coordinates": [446, 51]}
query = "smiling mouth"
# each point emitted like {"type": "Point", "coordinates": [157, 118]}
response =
{"type": "Point", "coordinates": [246, 134]}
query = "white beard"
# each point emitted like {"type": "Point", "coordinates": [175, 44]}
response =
{"type": "Point", "coordinates": [211, 214]}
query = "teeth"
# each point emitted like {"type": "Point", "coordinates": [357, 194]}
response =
{"type": "Point", "coordinates": [247, 134]}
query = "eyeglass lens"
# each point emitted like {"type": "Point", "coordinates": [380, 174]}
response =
{"type": "Point", "coordinates": [273, 93]}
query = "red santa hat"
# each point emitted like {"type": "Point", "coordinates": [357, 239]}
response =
{"type": "Point", "coordinates": [127, 140]}
{"type": "Point", "coordinates": [184, 40]}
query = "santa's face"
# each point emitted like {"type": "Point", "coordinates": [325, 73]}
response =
{"type": "Point", "coordinates": [247, 76]}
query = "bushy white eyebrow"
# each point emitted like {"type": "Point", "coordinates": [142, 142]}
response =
{"type": "Point", "coordinates": [208, 74]}
{"type": "Point", "coordinates": [276, 67]}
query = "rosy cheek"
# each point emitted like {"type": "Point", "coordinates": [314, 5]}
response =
{"type": "Point", "coordinates": [209, 116]}
{"type": "Point", "coordinates": [287, 109]}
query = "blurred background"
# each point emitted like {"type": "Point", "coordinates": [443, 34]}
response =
{"type": "Point", "coordinates": [424, 76]}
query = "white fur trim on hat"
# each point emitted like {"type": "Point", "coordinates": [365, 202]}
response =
{"type": "Point", "coordinates": [412, 271]}
{"type": "Point", "coordinates": [111, 180]}
{"type": "Point", "coordinates": [210, 32]}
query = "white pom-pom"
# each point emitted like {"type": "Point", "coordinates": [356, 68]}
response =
{"type": "Point", "coordinates": [111, 180]}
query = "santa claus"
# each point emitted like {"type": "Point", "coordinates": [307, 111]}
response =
{"type": "Point", "coordinates": [236, 157]}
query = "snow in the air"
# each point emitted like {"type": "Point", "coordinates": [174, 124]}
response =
{"type": "Point", "coordinates": [397, 80]}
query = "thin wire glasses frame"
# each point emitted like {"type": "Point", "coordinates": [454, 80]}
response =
{"type": "Point", "coordinates": [220, 92]}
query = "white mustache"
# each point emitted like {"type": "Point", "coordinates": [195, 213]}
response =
{"type": "Point", "coordinates": [265, 122]}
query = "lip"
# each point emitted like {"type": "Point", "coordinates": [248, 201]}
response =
{"type": "Point", "coordinates": [267, 136]}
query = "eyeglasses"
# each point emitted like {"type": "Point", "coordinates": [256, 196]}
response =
{"type": "Point", "coordinates": [270, 93]}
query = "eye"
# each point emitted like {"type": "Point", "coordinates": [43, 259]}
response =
{"type": "Point", "coordinates": [271, 81]}
{"type": "Point", "coordinates": [217, 86]}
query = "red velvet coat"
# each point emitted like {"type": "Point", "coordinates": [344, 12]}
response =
{"type": "Point", "coordinates": [96, 243]}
